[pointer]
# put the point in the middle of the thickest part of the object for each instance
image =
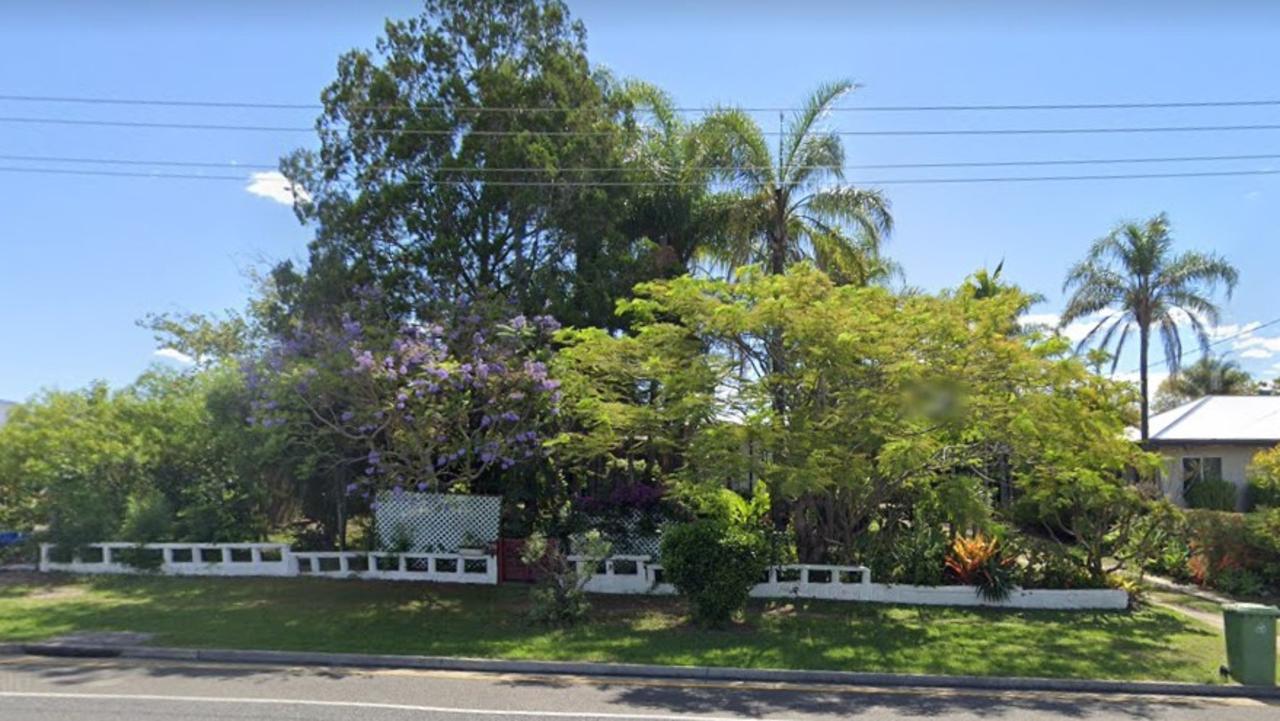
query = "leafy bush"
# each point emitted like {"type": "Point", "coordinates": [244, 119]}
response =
{"type": "Point", "coordinates": [714, 564]}
{"type": "Point", "coordinates": [1262, 493]}
{"type": "Point", "coordinates": [1264, 480]}
{"type": "Point", "coordinates": [917, 556]}
{"type": "Point", "coordinates": [1240, 582]}
{"type": "Point", "coordinates": [1052, 565]}
{"type": "Point", "coordinates": [1158, 541]}
{"type": "Point", "coordinates": [1212, 494]}
{"type": "Point", "coordinates": [1262, 533]}
{"type": "Point", "coordinates": [139, 557]}
{"type": "Point", "coordinates": [980, 561]}
{"type": "Point", "coordinates": [1236, 553]}
{"type": "Point", "coordinates": [1217, 543]}
{"type": "Point", "coordinates": [148, 519]}
{"type": "Point", "coordinates": [559, 598]}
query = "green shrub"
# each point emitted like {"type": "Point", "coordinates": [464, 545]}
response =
{"type": "Point", "coordinates": [559, 598]}
{"type": "Point", "coordinates": [147, 519]}
{"type": "Point", "coordinates": [1054, 566]}
{"type": "Point", "coordinates": [1212, 494]}
{"type": "Point", "coordinates": [714, 564]}
{"type": "Point", "coordinates": [139, 557]}
{"type": "Point", "coordinates": [1262, 492]}
{"type": "Point", "coordinates": [1264, 480]}
{"type": "Point", "coordinates": [1240, 582]}
{"type": "Point", "coordinates": [917, 556]}
{"type": "Point", "coordinates": [1262, 533]}
{"type": "Point", "coordinates": [1236, 553]}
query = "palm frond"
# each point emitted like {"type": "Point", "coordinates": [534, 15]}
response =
{"type": "Point", "coordinates": [805, 120]}
{"type": "Point", "coordinates": [1115, 357]}
{"type": "Point", "coordinates": [735, 141]}
{"type": "Point", "coordinates": [867, 210]}
{"type": "Point", "coordinates": [1205, 270]}
{"type": "Point", "coordinates": [1172, 342]}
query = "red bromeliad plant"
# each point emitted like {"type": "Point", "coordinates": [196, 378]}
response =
{"type": "Point", "coordinates": [980, 561]}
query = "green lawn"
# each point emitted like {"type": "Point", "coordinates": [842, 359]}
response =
{"type": "Point", "coordinates": [384, 617]}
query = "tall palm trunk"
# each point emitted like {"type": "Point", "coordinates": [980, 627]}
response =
{"type": "Point", "coordinates": [778, 235]}
{"type": "Point", "coordinates": [1144, 339]}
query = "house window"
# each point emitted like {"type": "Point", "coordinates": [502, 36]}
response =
{"type": "Point", "coordinates": [1200, 468]}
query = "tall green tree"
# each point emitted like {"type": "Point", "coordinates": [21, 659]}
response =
{"type": "Point", "coordinates": [899, 411]}
{"type": "Point", "coordinates": [1134, 278]}
{"type": "Point", "coordinates": [1211, 375]}
{"type": "Point", "coordinates": [451, 166]}
{"type": "Point", "coordinates": [795, 203]}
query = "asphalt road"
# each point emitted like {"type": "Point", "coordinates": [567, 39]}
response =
{"type": "Point", "coordinates": [45, 689]}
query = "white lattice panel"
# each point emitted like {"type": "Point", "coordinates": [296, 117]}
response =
{"type": "Point", "coordinates": [436, 522]}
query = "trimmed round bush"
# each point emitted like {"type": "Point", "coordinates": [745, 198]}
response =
{"type": "Point", "coordinates": [713, 564]}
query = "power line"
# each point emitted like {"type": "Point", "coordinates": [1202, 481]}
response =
{"type": "Point", "coordinates": [709, 168]}
{"type": "Point", "coordinates": [593, 133]}
{"type": "Point", "coordinates": [134, 161]}
{"type": "Point", "coordinates": [166, 102]}
{"type": "Point", "coordinates": [1247, 330]}
{"type": "Point", "coordinates": [606, 183]}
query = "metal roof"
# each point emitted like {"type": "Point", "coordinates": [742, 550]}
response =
{"type": "Point", "coordinates": [1225, 419]}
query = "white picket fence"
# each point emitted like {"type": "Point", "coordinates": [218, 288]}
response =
{"type": "Point", "coordinates": [615, 575]}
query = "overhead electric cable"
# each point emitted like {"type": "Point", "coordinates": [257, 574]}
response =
{"type": "Point", "coordinates": [606, 183]}
{"type": "Point", "coordinates": [643, 169]}
{"type": "Point", "coordinates": [593, 133]}
{"type": "Point", "coordinates": [259, 105]}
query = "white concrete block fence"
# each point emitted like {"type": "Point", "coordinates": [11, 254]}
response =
{"type": "Point", "coordinates": [635, 575]}
{"type": "Point", "coordinates": [278, 559]}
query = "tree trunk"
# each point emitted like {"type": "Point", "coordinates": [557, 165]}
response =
{"type": "Point", "coordinates": [1144, 339]}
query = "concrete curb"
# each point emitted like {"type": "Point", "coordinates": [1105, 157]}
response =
{"type": "Point", "coordinates": [622, 670]}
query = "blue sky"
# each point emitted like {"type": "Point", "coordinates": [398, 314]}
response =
{"type": "Point", "coordinates": [81, 259]}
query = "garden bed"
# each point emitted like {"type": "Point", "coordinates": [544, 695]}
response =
{"type": "Point", "coordinates": [381, 617]}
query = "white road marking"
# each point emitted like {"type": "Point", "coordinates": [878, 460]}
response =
{"type": "Point", "coordinates": [370, 705]}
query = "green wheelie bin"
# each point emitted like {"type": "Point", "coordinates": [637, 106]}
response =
{"type": "Point", "coordinates": [1251, 642]}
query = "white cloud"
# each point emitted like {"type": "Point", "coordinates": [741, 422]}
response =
{"type": "Point", "coordinates": [1241, 339]}
{"type": "Point", "coordinates": [272, 185]}
{"type": "Point", "coordinates": [175, 355]}
{"type": "Point", "coordinates": [1227, 330]}
{"type": "Point", "coordinates": [1253, 195]}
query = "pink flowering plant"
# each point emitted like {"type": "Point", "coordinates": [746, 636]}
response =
{"type": "Point", "coordinates": [431, 406]}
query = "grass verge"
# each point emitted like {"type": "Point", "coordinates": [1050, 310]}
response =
{"type": "Point", "coordinates": [404, 618]}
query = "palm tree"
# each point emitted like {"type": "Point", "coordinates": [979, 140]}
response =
{"type": "Point", "coordinates": [1133, 273]}
{"type": "Point", "coordinates": [986, 284]}
{"type": "Point", "coordinates": [682, 211]}
{"type": "Point", "coordinates": [795, 206]}
{"type": "Point", "coordinates": [1209, 376]}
